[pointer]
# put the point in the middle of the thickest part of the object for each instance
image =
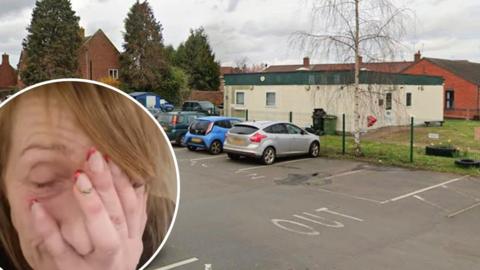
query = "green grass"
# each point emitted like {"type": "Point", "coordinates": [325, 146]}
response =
{"type": "Point", "coordinates": [394, 154]}
{"type": "Point", "coordinates": [459, 133]}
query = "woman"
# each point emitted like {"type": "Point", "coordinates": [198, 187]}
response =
{"type": "Point", "coordinates": [87, 180]}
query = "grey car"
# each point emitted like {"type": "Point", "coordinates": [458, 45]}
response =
{"type": "Point", "coordinates": [267, 140]}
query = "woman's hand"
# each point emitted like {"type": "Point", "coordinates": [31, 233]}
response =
{"type": "Point", "coordinates": [114, 213]}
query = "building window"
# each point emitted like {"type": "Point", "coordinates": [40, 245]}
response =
{"type": "Point", "coordinates": [409, 99]}
{"type": "Point", "coordinates": [113, 73]}
{"type": "Point", "coordinates": [270, 98]}
{"type": "Point", "coordinates": [240, 98]}
{"type": "Point", "coordinates": [449, 99]}
{"type": "Point", "coordinates": [388, 101]}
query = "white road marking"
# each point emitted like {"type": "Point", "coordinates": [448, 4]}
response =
{"type": "Point", "coordinates": [462, 193]}
{"type": "Point", "coordinates": [343, 174]}
{"type": "Point", "coordinates": [463, 210]}
{"type": "Point", "coordinates": [204, 165]}
{"type": "Point", "coordinates": [177, 264]}
{"type": "Point", "coordinates": [257, 177]}
{"type": "Point", "coordinates": [335, 224]}
{"type": "Point", "coordinates": [350, 196]}
{"type": "Point", "coordinates": [206, 158]}
{"type": "Point", "coordinates": [430, 203]}
{"type": "Point", "coordinates": [324, 209]}
{"type": "Point", "coordinates": [424, 189]}
{"type": "Point", "coordinates": [265, 166]}
{"type": "Point", "coordinates": [310, 231]}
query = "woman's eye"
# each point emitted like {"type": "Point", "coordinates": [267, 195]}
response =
{"type": "Point", "coordinates": [45, 184]}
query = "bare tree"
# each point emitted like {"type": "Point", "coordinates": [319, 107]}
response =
{"type": "Point", "coordinates": [349, 29]}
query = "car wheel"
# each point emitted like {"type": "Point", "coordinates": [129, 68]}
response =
{"type": "Point", "coordinates": [233, 156]}
{"type": "Point", "coordinates": [191, 147]}
{"type": "Point", "coordinates": [180, 139]}
{"type": "Point", "coordinates": [216, 147]}
{"type": "Point", "coordinates": [268, 156]}
{"type": "Point", "coordinates": [314, 149]}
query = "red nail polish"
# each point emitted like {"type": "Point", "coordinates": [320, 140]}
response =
{"type": "Point", "coordinates": [106, 157]}
{"type": "Point", "coordinates": [77, 174]}
{"type": "Point", "coordinates": [90, 152]}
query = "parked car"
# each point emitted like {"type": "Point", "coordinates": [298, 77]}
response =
{"type": "Point", "coordinates": [175, 124]}
{"type": "Point", "coordinates": [153, 101]}
{"type": "Point", "coordinates": [206, 107]}
{"type": "Point", "coordinates": [267, 140]}
{"type": "Point", "coordinates": [209, 133]}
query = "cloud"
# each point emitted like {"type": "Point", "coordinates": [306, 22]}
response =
{"type": "Point", "coordinates": [14, 6]}
{"type": "Point", "coordinates": [232, 5]}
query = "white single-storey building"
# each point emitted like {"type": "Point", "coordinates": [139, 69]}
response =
{"type": "Point", "coordinates": [391, 98]}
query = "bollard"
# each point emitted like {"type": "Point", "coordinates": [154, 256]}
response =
{"type": "Point", "coordinates": [246, 115]}
{"type": "Point", "coordinates": [411, 139]}
{"type": "Point", "coordinates": [290, 117]}
{"type": "Point", "coordinates": [343, 134]}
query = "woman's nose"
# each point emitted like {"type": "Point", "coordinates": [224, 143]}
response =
{"type": "Point", "coordinates": [75, 233]}
{"type": "Point", "coordinates": [66, 211]}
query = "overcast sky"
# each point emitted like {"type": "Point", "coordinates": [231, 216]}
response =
{"type": "Point", "coordinates": [256, 29]}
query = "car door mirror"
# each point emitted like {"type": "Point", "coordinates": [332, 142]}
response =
{"type": "Point", "coordinates": [303, 132]}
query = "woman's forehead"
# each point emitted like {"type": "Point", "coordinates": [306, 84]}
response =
{"type": "Point", "coordinates": [44, 120]}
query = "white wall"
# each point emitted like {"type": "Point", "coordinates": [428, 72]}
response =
{"type": "Point", "coordinates": [427, 103]}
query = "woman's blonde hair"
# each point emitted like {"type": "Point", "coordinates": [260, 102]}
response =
{"type": "Point", "coordinates": [119, 128]}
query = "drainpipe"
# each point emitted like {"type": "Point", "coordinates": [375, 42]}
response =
{"type": "Point", "coordinates": [478, 102]}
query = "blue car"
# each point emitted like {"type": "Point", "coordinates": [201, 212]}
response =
{"type": "Point", "coordinates": [209, 133]}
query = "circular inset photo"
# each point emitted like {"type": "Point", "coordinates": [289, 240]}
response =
{"type": "Point", "coordinates": [88, 179]}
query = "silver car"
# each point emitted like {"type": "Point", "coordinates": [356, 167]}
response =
{"type": "Point", "coordinates": [267, 140]}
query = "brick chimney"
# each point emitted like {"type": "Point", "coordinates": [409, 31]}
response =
{"type": "Point", "coordinates": [5, 60]}
{"type": "Point", "coordinates": [418, 56]}
{"type": "Point", "coordinates": [306, 62]}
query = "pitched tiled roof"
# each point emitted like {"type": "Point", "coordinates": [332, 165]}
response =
{"type": "Point", "coordinates": [390, 67]}
{"type": "Point", "coordinates": [469, 71]}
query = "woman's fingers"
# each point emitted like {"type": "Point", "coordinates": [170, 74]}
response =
{"type": "Point", "coordinates": [99, 173]}
{"type": "Point", "coordinates": [105, 238]}
{"type": "Point", "coordinates": [128, 198]}
{"type": "Point", "coordinates": [63, 255]}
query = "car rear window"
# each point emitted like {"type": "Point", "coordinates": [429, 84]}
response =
{"type": "Point", "coordinates": [243, 129]}
{"type": "Point", "coordinates": [165, 118]}
{"type": "Point", "coordinates": [200, 125]}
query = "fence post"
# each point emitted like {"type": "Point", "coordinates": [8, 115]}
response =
{"type": "Point", "coordinates": [290, 116]}
{"type": "Point", "coordinates": [343, 134]}
{"type": "Point", "coordinates": [246, 115]}
{"type": "Point", "coordinates": [411, 139]}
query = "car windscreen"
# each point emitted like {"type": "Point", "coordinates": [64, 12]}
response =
{"type": "Point", "coordinates": [206, 104]}
{"type": "Point", "coordinates": [243, 129]}
{"type": "Point", "coordinates": [165, 118]}
{"type": "Point", "coordinates": [200, 125]}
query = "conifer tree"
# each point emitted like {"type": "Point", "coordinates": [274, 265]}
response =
{"type": "Point", "coordinates": [143, 64]}
{"type": "Point", "coordinates": [50, 49]}
{"type": "Point", "coordinates": [196, 57]}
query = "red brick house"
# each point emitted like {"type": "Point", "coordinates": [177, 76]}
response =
{"type": "Point", "coordinates": [390, 67]}
{"type": "Point", "coordinates": [8, 76]}
{"type": "Point", "coordinates": [98, 57]}
{"type": "Point", "coordinates": [462, 84]}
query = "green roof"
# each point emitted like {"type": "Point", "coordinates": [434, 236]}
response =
{"type": "Point", "coordinates": [328, 78]}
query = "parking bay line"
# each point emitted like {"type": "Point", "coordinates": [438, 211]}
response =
{"type": "Point", "coordinates": [177, 264]}
{"type": "Point", "coordinates": [269, 166]}
{"type": "Point", "coordinates": [424, 189]}
{"type": "Point", "coordinates": [205, 158]}
{"type": "Point", "coordinates": [463, 210]}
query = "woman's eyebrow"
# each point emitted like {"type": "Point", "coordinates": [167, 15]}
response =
{"type": "Point", "coordinates": [53, 147]}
